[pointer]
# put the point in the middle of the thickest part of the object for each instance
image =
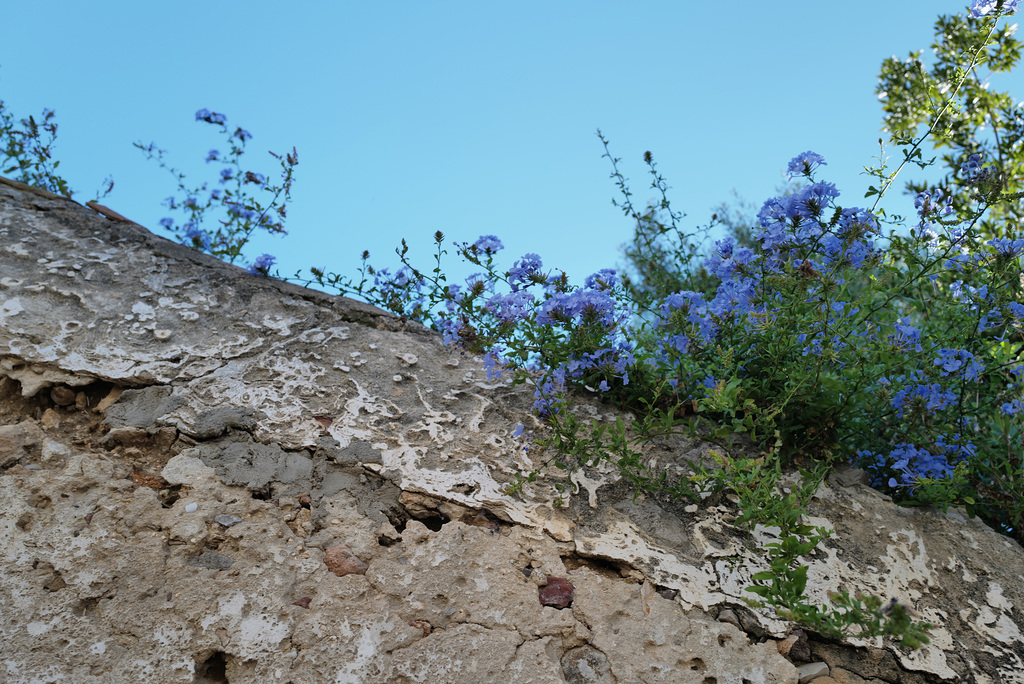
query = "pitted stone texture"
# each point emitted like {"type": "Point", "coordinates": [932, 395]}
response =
{"type": "Point", "coordinates": [669, 646]}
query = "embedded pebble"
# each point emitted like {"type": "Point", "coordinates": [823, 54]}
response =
{"type": "Point", "coordinates": [227, 520]}
{"type": "Point", "coordinates": [341, 561]}
{"type": "Point", "coordinates": [795, 647]}
{"type": "Point", "coordinates": [62, 396]}
{"type": "Point", "coordinates": [729, 616]}
{"type": "Point", "coordinates": [211, 560]}
{"type": "Point", "coordinates": [557, 592]}
{"type": "Point", "coordinates": [191, 508]}
{"type": "Point", "coordinates": [811, 671]}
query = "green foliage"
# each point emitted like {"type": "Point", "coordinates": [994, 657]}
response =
{"type": "Point", "coordinates": [953, 100]}
{"type": "Point", "coordinates": [27, 150]}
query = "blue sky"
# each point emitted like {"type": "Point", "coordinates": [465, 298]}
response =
{"type": "Point", "coordinates": [466, 117]}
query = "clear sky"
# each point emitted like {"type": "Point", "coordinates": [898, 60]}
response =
{"type": "Point", "coordinates": [467, 117]}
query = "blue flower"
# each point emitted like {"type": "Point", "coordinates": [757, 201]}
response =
{"type": "Point", "coordinates": [494, 364]}
{"type": "Point", "coordinates": [262, 265]}
{"type": "Point", "coordinates": [451, 331]}
{"type": "Point", "coordinates": [210, 117]}
{"type": "Point", "coordinates": [1012, 407]}
{"type": "Point", "coordinates": [226, 175]}
{"type": "Point", "coordinates": [1007, 247]}
{"type": "Point", "coordinates": [928, 203]}
{"type": "Point", "coordinates": [240, 210]}
{"type": "Point", "coordinates": [511, 307]}
{"type": "Point", "coordinates": [952, 360]}
{"type": "Point", "coordinates": [167, 223]}
{"type": "Point", "coordinates": [242, 134]}
{"type": "Point", "coordinates": [972, 170]}
{"type": "Point", "coordinates": [197, 238]}
{"type": "Point", "coordinates": [812, 200]}
{"type": "Point", "coordinates": [257, 178]}
{"type": "Point", "coordinates": [980, 8]}
{"type": "Point", "coordinates": [580, 306]}
{"type": "Point", "coordinates": [774, 236]}
{"type": "Point", "coordinates": [907, 336]}
{"type": "Point", "coordinates": [933, 396]}
{"type": "Point", "coordinates": [804, 164]}
{"type": "Point", "coordinates": [549, 395]}
{"type": "Point", "coordinates": [605, 279]}
{"type": "Point", "coordinates": [213, 155]}
{"type": "Point", "coordinates": [726, 262]}
{"type": "Point", "coordinates": [488, 244]}
{"type": "Point", "coordinates": [915, 463]}
{"type": "Point", "coordinates": [526, 270]}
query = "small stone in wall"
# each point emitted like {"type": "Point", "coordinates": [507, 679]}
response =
{"type": "Point", "coordinates": [423, 625]}
{"type": "Point", "coordinates": [795, 647]}
{"type": "Point", "coordinates": [211, 560]}
{"type": "Point", "coordinates": [729, 616]}
{"type": "Point", "coordinates": [227, 520]}
{"type": "Point", "coordinates": [557, 592]}
{"type": "Point", "coordinates": [62, 396]}
{"type": "Point", "coordinates": [812, 671]}
{"type": "Point", "coordinates": [341, 561]}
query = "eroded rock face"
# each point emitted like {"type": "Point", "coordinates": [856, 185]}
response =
{"type": "Point", "coordinates": [190, 454]}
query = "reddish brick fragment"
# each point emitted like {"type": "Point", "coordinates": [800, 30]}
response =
{"type": "Point", "coordinates": [557, 593]}
{"type": "Point", "coordinates": [341, 561]}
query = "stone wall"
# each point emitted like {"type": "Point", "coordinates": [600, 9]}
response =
{"type": "Point", "coordinates": [209, 476]}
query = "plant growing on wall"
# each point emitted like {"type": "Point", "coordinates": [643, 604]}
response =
{"type": "Point", "coordinates": [827, 332]}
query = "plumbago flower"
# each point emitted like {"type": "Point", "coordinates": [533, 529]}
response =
{"type": "Point", "coordinates": [804, 164]}
{"type": "Point", "coordinates": [262, 265]}
{"type": "Point", "coordinates": [247, 200]}
{"type": "Point", "coordinates": [980, 8]}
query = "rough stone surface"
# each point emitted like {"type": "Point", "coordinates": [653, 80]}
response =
{"type": "Point", "coordinates": [202, 394]}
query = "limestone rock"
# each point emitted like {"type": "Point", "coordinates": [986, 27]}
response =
{"type": "Point", "coordinates": [203, 394]}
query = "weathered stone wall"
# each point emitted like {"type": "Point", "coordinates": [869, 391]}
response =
{"type": "Point", "coordinates": [210, 476]}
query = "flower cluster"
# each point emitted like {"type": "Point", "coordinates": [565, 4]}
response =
{"type": "Point", "coordinates": [804, 164]}
{"type": "Point", "coordinates": [262, 265]}
{"type": "Point", "coordinates": [980, 8]}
